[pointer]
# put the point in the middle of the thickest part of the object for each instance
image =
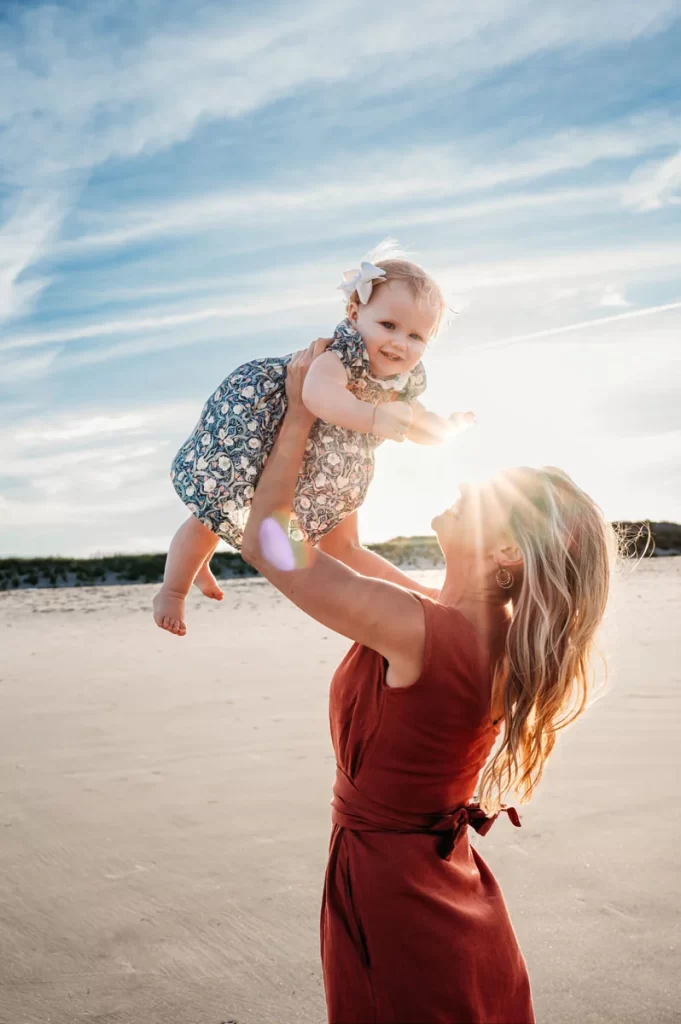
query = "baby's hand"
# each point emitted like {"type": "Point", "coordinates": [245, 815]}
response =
{"type": "Point", "coordinates": [460, 420]}
{"type": "Point", "coordinates": [392, 421]}
{"type": "Point", "coordinates": [429, 428]}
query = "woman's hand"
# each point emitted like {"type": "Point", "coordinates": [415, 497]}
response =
{"type": "Point", "coordinates": [295, 378]}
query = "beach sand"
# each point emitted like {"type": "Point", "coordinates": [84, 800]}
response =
{"type": "Point", "coordinates": [164, 815]}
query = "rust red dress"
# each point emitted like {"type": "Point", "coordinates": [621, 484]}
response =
{"type": "Point", "coordinates": [414, 928]}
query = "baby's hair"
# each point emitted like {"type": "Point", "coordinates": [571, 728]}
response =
{"type": "Point", "coordinates": [392, 259]}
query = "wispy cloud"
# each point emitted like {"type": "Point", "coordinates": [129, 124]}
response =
{"type": "Point", "coordinates": [30, 367]}
{"type": "Point", "coordinates": [77, 470]}
{"type": "Point", "coordinates": [274, 304]}
{"type": "Point", "coordinates": [29, 225]}
{"type": "Point", "coordinates": [582, 325]}
{"type": "Point", "coordinates": [613, 297]}
{"type": "Point", "coordinates": [164, 330]}
{"type": "Point", "coordinates": [46, 515]}
{"type": "Point", "coordinates": [655, 185]}
{"type": "Point", "coordinates": [154, 91]}
{"type": "Point", "coordinates": [436, 173]}
{"type": "Point", "coordinates": [179, 191]}
{"type": "Point", "coordinates": [63, 430]}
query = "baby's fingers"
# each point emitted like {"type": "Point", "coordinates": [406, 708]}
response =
{"type": "Point", "coordinates": [461, 420]}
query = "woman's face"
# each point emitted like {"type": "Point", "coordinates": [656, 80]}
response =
{"type": "Point", "coordinates": [477, 523]}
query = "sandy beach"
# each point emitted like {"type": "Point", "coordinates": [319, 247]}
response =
{"type": "Point", "coordinates": [164, 815]}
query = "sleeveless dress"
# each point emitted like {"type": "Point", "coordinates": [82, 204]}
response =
{"type": "Point", "coordinates": [414, 928]}
{"type": "Point", "coordinates": [218, 467]}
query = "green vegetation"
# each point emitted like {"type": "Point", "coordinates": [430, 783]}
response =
{"type": "Point", "coordinates": [88, 572]}
{"type": "Point", "coordinates": [640, 539]}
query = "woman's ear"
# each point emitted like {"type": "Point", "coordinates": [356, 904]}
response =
{"type": "Point", "coordinates": [509, 556]}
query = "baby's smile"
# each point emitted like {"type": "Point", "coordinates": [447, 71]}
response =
{"type": "Point", "coordinates": [394, 357]}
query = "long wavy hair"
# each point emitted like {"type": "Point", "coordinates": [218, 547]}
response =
{"type": "Point", "coordinates": [544, 678]}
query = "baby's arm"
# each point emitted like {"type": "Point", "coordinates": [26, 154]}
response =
{"type": "Point", "coordinates": [326, 396]}
{"type": "Point", "coordinates": [429, 428]}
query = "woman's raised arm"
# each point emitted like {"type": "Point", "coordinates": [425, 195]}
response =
{"type": "Point", "coordinates": [379, 615]}
{"type": "Point", "coordinates": [344, 544]}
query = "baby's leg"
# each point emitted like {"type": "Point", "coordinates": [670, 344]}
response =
{"type": "Point", "coordinates": [207, 583]}
{"type": "Point", "coordinates": [190, 548]}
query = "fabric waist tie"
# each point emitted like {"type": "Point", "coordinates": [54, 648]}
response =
{"type": "Point", "coordinates": [354, 810]}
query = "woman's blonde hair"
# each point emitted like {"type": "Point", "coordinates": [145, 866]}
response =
{"type": "Point", "coordinates": [393, 260]}
{"type": "Point", "coordinates": [544, 678]}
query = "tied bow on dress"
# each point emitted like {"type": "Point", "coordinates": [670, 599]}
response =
{"type": "Point", "coordinates": [452, 825]}
{"type": "Point", "coordinates": [355, 810]}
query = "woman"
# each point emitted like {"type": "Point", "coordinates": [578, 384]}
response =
{"type": "Point", "coordinates": [414, 927]}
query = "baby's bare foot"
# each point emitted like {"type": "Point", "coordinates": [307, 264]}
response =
{"type": "Point", "coordinates": [207, 584]}
{"type": "Point", "coordinates": [169, 612]}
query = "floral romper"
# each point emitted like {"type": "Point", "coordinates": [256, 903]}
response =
{"type": "Point", "coordinates": [216, 470]}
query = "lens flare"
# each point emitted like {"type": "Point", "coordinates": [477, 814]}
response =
{"type": "Point", "coordinates": [276, 545]}
{"type": "Point", "coordinates": [283, 551]}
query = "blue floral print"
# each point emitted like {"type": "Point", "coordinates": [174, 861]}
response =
{"type": "Point", "coordinates": [217, 469]}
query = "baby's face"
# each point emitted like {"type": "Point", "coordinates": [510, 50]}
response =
{"type": "Point", "coordinates": [395, 328]}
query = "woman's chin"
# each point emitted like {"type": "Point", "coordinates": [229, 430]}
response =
{"type": "Point", "coordinates": [438, 524]}
{"type": "Point", "coordinates": [445, 527]}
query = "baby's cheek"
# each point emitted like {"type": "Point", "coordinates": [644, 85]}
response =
{"type": "Point", "coordinates": [415, 355]}
{"type": "Point", "coordinates": [371, 340]}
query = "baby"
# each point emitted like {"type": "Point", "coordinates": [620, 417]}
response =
{"type": "Point", "coordinates": [364, 389]}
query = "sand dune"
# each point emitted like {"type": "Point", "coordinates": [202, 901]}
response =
{"type": "Point", "coordinates": [164, 816]}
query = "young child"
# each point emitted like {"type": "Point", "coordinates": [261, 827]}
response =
{"type": "Point", "coordinates": [364, 389]}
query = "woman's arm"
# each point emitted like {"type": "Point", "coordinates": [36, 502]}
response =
{"type": "Point", "coordinates": [377, 614]}
{"type": "Point", "coordinates": [343, 543]}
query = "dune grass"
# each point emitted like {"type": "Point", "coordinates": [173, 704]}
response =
{"type": "Point", "coordinates": [642, 539]}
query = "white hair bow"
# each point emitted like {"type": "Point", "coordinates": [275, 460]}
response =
{"type": "Point", "coordinates": [361, 281]}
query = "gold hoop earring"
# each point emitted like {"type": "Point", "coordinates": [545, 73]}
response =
{"type": "Point", "coordinates": [505, 579]}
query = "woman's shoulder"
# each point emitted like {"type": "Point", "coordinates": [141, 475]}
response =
{"type": "Point", "coordinates": [455, 653]}
{"type": "Point", "coordinates": [445, 621]}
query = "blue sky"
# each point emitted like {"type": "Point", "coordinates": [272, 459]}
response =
{"type": "Point", "coordinates": [181, 187]}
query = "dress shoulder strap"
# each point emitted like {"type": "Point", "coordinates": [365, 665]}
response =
{"type": "Point", "coordinates": [455, 654]}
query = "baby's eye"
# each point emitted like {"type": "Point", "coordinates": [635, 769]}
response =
{"type": "Point", "coordinates": [388, 324]}
{"type": "Point", "coordinates": [416, 337]}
